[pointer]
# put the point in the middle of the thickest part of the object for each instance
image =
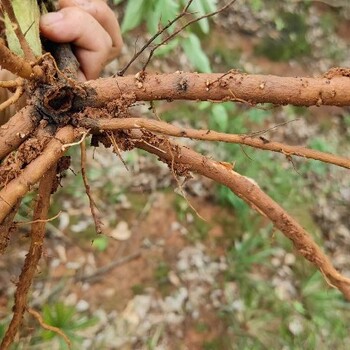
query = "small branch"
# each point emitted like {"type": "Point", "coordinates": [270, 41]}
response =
{"type": "Point", "coordinates": [173, 35]}
{"type": "Point", "coordinates": [32, 258]}
{"type": "Point", "coordinates": [93, 207]}
{"type": "Point", "coordinates": [210, 135]}
{"type": "Point", "coordinates": [153, 38]}
{"type": "Point", "coordinates": [253, 195]}
{"type": "Point", "coordinates": [254, 89]}
{"type": "Point", "coordinates": [33, 172]}
{"type": "Point", "coordinates": [48, 327]}
{"type": "Point", "coordinates": [17, 65]}
{"type": "Point", "coordinates": [28, 53]}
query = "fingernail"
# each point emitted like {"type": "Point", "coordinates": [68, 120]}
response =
{"type": "Point", "coordinates": [51, 18]}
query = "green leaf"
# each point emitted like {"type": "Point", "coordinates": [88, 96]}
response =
{"type": "Point", "coordinates": [199, 10]}
{"type": "Point", "coordinates": [133, 15]}
{"type": "Point", "coordinates": [210, 5]}
{"type": "Point", "coordinates": [28, 15]}
{"type": "Point", "coordinates": [220, 117]}
{"type": "Point", "coordinates": [195, 54]}
{"type": "Point", "coordinates": [100, 243]}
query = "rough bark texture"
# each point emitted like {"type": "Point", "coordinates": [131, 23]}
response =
{"type": "Point", "coordinates": [333, 89]}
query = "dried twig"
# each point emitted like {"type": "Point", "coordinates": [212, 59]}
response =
{"type": "Point", "coordinates": [176, 32]}
{"type": "Point", "coordinates": [153, 38]}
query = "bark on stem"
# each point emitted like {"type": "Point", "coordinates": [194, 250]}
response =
{"type": "Point", "coordinates": [30, 175]}
{"type": "Point", "coordinates": [253, 195]}
{"type": "Point", "coordinates": [253, 89]}
{"type": "Point", "coordinates": [210, 135]}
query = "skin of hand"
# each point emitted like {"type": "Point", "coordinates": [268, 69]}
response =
{"type": "Point", "coordinates": [92, 28]}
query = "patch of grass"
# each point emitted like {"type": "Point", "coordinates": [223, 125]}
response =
{"type": "Point", "coordinates": [68, 320]}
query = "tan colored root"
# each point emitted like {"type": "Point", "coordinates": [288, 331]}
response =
{"type": "Point", "coordinates": [251, 193]}
{"type": "Point", "coordinates": [32, 258]}
{"type": "Point", "coordinates": [210, 135]}
{"type": "Point", "coordinates": [30, 175]}
{"type": "Point", "coordinates": [13, 99]}
{"type": "Point", "coordinates": [17, 65]}
{"type": "Point", "coordinates": [93, 207]}
{"type": "Point", "coordinates": [299, 91]}
{"type": "Point", "coordinates": [48, 327]}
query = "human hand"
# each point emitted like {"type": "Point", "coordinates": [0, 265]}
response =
{"type": "Point", "coordinates": [91, 26]}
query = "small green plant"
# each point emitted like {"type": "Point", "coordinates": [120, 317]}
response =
{"type": "Point", "coordinates": [68, 320]}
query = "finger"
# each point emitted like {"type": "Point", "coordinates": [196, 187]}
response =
{"type": "Point", "coordinates": [104, 15]}
{"type": "Point", "coordinates": [92, 42]}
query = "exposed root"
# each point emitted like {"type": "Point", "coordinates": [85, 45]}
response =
{"type": "Point", "coordinates": [10, 84]}
{"type": "Point", "coordinates": [93, 207]}
{"type": "Point", "coordinates": [210, 135]}
{"type": "Point", "coordinates": [17, 65]}
{"type": "Point", "coordinates": [71, 144]}
{"type": "Point", "coordinates": [20, 223]}
{"type": "Point", "coordinates": [250, 192]}
{"type": "Point", "coordinates": [46, 326]}
{"type": "Point", "coordinates": [116, 148]}
{"type": "Point", "coordinates": [179, 184]}
{"type": "Point", "coordinates": [32, 258]}
{"type": "Point", "coordinates": [13, 99]}
{"type": "Point", "coordinates": [33, 172]}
